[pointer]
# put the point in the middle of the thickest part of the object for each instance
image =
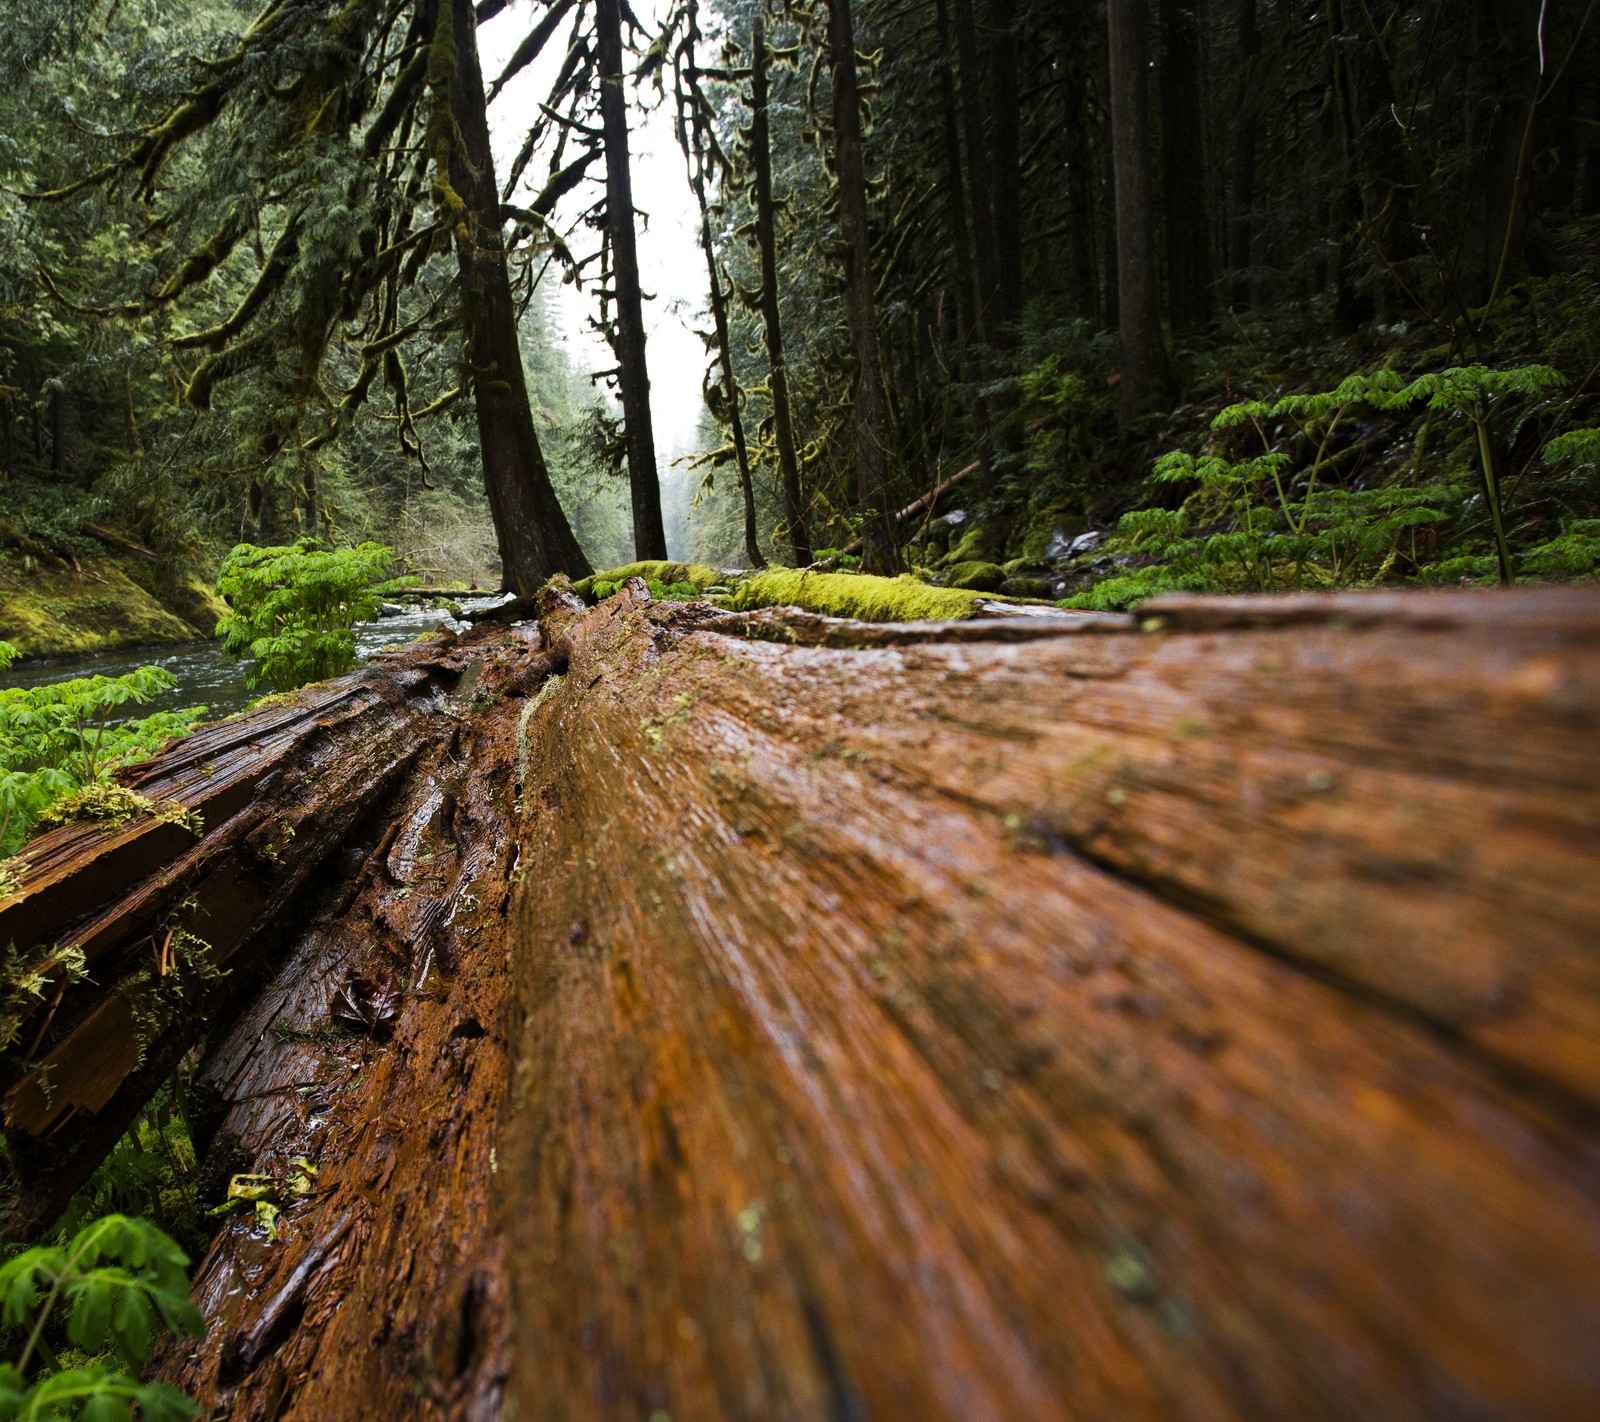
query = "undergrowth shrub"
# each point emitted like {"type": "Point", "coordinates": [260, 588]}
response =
{"type": "Point", "coordinates": [1272, 521]}
{"type": "Point", "coordinates": [60, 740]}
{"type": "Point", "coordinates": [293, 610]}
{"type": "Point", "coordinates": [108, 1292]}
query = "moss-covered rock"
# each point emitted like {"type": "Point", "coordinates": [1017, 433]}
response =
{"type": "Point", "coordinates": [1024, 567]}
{"type": "Point", "coordinates": [48, 612]}
{"type": "Point", "coordinates": [1035, 533]}
{"type": "Point", "coordinates": [195, 602]}
{"type": "Point", "coordinates": [974, 546]}
{"type": "Point", "coordinates": [978, 576]}
{"type": "Point", "coordinates": [652, 571]}
{"type": "Point", "coordinates": [1027, 587]}
{"type": "Point", "coordinates": [858, 595]}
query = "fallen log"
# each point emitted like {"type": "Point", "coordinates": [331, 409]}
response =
{"type": "Point", "coordinates": [120, 542]}
{"type": "Point", "coordinates": [1185, 1016]}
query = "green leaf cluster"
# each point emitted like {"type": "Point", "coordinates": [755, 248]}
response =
{"type": "Point", "coordinates": [293, 610]}
{"type": "Point", "coordinates": [119, 1282]}
{"type": "Point", "coordinates": [1269, 522]}
{"type": "Point", "coordinates": [58, 739]}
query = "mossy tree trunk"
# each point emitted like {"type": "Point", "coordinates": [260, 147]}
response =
{"type": "Point", "coordinates": [879, 553]}
{"type": "Point", "coordinates": [534, 537]}
{"type": "Point", "coordinates": [794, 504]}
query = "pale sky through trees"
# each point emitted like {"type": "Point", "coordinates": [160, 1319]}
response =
{"type": "Point", "coordinates": [671, 266]}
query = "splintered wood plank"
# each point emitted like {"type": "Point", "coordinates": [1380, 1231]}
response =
{"type": "Point", "coordinates": [281, 791]}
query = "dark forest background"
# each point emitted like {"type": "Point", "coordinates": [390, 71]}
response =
{"type": "Point", "coordinates": [1070, 236]}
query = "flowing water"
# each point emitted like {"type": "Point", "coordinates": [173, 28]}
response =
{"type": "Point", "coordinates": [205, 675]}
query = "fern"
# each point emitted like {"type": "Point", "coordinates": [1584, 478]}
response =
{"type": "Point", "coordinates": [59, 739]}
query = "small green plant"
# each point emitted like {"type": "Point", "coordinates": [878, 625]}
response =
{"type": "Point", "coordinates": [114, 1282]}
{"type": "Point", "coordinates": [60, 739]}
{"type": "Point", "coordinates": [1472, 391]}
{"type": "Point", "coordinates": [1262, 523]}
{"type": "Point", "coordinates": [293, 610]}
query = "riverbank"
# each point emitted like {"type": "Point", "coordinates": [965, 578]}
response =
{"type": "Point", "coordinates": [100, 606]}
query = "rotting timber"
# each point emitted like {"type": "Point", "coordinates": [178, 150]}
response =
{"type": "Point", "coordinates": [1189, 1016]}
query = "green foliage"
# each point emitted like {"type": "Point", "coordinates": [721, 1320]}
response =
{"type": "Point", "coordinates": [1574, 553]}
{"type": "Point", "coordinates": [1269, 522]}
{"type": "Point", "coordinates": [1579, 447]}
{"type": "Point", "coordinates": [60, 739]}
{"type": "Point", "coordinates": [151, 1172]}
{"type": "Point", "coordinates": [294, 609]}
{"type": "Point", "coordinates": [119, 1281]}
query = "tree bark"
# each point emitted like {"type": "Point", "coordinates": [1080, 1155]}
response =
{"type": "Point", "coordinates": [633, 373]}
{"type": "Point", "coordinates": [794, 506]}
{"type": "Point", "coordinates": [278, 793]}
{"type": "Point", "coordinates": [1005, 132]}
{"type": "Point", "coordinates": [694, 139]}
{"type": "Point", "coordinates": [980, 172]}
{"type": "Point", "coordinates": [1146, 376]}
{"type": "Point", "coordinates": [534, 537]}
{"type": "Point", "coordinates": [1242, 169]}
{"type": "Point", "coordinates": [880, 553]}
{"type": "Point", "coordinates": [1187, 221]}
{"type": "Point", "coordinates": [1023, 1020]}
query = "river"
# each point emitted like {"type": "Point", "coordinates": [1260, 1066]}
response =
{"type": "Point", "coordinates": [205, 676]}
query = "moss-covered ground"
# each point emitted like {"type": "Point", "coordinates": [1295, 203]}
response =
{"type": "Point", "coordinates": [50, 611]}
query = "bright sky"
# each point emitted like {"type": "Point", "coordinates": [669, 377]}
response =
{"type": "Point", "coordinates": [671, 266]}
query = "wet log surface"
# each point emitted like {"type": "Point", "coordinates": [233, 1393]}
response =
{"type": "Point", "coordinates": [277, 792]}
{"type": "Point", "coordinates": [1195, 1016]}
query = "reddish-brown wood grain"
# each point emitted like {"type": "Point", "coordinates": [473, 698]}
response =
{"type": "Point", "coordinates": [1190, 1016]}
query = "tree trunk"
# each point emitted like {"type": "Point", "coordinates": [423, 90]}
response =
{"type": "Point", "coordinates": [1384, 234]}
{"type": "Point", "coordinates": [633, 374]}
{"type": "Point", "coordinates": [534, 537]}
{"type": "Point", "coordinates": [1146, 378]}
{"type": "Point", "coordinates": [880, 553]}
{"type": "Point", "coordinates": [980, 171]}
{"type": "Point", "coordinates": [1006, 131]}
{"type": "Point", "coordinates": [1503, 232]}
{"type": "Point", "coordinates": [794, 506]}
{"type": "Point", "coordinates": [1183, 169]}
{"type": "Point", "coordinates": [955, 185]}
{"type": "Point", "coordinates": [1242, 173]}
{"type": "Point", "coordinates": [694, 140]}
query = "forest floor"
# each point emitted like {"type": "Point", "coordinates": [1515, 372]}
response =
{"type": "Point", "coordinates": [721, 1013]}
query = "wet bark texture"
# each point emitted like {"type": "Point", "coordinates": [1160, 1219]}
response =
{"type": "Point", "coordinates": [278, 792]}
{"type": "Point", "coordinates": [1194, 1016]}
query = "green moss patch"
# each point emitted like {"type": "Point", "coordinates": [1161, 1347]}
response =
{"type": "Point", "coordinates": [652, 571]}
{"type": "Point", "coordinates": [977, 576]}
{"type": "Point", "coordinates": [858, 595]}
{"type": "Point", "coordinates": [115, 805]}
{"type": "Point", "coordinates": [49, 612]}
